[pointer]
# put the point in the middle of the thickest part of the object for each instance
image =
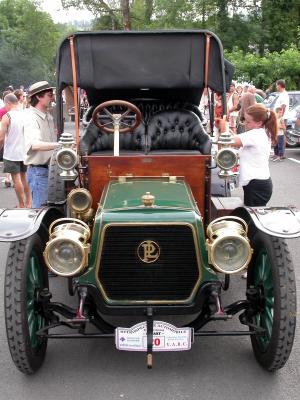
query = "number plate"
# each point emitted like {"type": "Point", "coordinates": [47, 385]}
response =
{"type": "Point", "coordinates": [166, 337]}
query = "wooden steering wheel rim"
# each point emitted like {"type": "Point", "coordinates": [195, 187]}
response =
{"type": "Point", "coordinates": [130, 106]}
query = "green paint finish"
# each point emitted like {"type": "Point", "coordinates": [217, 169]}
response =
{"type": "Point", "coordinates": [34, 284]}
{"type": "Point", "coordinates": [263, 280]}
{"type": "Point", "coordinates": [128, 194]}
{"type": "Point", "coordinates": [144, 216]}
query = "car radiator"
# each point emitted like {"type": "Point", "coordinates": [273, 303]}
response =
{"type": "Point", "coordinates": [153, 262]}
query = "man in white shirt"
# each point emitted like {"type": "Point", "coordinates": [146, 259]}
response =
{"type": "Point", "coordinates": [39, 141]}
{"type": "Point", "coordinates": [283, 100]}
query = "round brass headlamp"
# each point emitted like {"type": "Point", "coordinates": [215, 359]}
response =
{"type": "Point", "coordinates": [227, 244]}
{"type": "Point", "coordinates": [66, 158]}
{"type": "Point", "coordinates": [79, 200]}
{"type": "Point", "coordinates": [66, 252]}
{"type": "Point", "coordinates": [226, 158]}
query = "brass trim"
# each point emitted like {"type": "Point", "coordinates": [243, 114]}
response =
{"type": "Point", "coordinates": [152, 301]}
{"type": "Point", "coordinates": [149, 246]}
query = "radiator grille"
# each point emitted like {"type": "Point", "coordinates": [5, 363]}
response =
{"type": "Point", "coordinates": [125, 277]}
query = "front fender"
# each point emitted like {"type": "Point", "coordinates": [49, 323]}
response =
{"type": "Point", "coordinates": [20, 223]}
{"type": "Point", "coordinates": [281, 222]}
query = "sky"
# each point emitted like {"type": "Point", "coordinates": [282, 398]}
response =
{"type": "Point", "coordinates": [57, 13]}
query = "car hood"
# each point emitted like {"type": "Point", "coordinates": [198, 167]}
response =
{"type": "Point", "coordinates": [126, 193]}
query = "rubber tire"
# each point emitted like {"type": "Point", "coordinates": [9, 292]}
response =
{"type": "Point", "coordinates": [284, 311]}
{"type": "Point", "coordinates": [56, 186]}
{"type": "Point", "coordinates": [26, 358]}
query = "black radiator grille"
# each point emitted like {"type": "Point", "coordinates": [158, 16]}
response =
{"type": "Point", "coordinates": [124, 276]}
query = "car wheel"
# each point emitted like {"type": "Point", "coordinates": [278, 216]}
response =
{"type": "Point", "coordinates": [271, 272]}
{"type": "Point", "coordinates": [25, 276]}
{"type": "Point", "coordinates": [289, 142]}
{"type": "Point", "coordinates": [56, 186]}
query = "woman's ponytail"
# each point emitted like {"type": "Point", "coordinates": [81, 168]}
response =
{"type": "Point", "coordinates": [268, 118]}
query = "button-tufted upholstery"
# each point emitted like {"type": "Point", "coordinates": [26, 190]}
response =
{"type": "Point", "coordinates": [95, 140]}
{"type": "Point", "coordinates": [166, 130]}
{"type": "Point", "coordinates": [177, 130]}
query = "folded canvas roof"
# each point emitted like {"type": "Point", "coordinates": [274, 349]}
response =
{"type": "Point", "coordinates": [152, 64]}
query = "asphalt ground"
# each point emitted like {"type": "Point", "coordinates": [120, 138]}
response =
{"type": "Point", "coordinates": [215, 367]}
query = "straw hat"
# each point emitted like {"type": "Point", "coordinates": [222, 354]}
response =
{"type": "Point", "coordinates": [39, 87]}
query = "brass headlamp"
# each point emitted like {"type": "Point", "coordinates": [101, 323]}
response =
{"type": "Point", "coordinates": [67, 158]}
{"type": "Point", "coordinates": [66, 252]}
{"type": "Point", "coordinates": [80, 201]}
{"type": "Point", "coordinates": [226, 157]}
{"type": "Point", "coordinates": [227, 244]}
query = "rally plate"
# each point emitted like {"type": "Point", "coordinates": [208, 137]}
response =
{"type": "Point", "coordinates": [166, 337]}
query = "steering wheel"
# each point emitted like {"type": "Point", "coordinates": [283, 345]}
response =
{"type": "Point", "coordinates": [131, 111]}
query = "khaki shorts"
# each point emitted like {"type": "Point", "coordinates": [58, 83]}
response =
{"type": "Point", "coordinates": [13, 167]}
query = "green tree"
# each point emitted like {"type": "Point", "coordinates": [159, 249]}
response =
{"type": "Point", "coordinates": [31, 37]}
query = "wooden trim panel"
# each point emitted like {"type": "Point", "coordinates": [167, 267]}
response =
{"type": "Point", "coordinates": [192, 167]}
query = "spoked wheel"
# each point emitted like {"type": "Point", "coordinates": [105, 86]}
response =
{"type": "Point", "coordinates": [271, 272]}
{"type": "Point", "coordinates": [25, 277]}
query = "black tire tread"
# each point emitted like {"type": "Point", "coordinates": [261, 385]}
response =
{"type": "Point", "coordinates": [56, 186]}
{"type": "Point", "coordinates": [284, 322]}
{"type": "Point", "coordinates": [14, 314]}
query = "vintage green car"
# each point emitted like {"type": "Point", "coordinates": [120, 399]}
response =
{"type": "Point", "coordinates": [131, 224]}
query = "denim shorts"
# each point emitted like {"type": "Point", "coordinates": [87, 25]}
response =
{"type": "Point", "coordinates": [37, 179]}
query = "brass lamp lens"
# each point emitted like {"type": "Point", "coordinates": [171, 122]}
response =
{"type": "Point", "coordinates": [231, 254]}
{"type": "Point", "coordinates": [80, 200]}
{"type": "Point", "coordinates": [65, 257]}
{"type": "Point", "coordinates": [226, 158]}
{"type": "Point", "coordinates": [66, 159]}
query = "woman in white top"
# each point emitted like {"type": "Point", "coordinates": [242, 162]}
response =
{"type": "Point", "coordinates": [255, 146]}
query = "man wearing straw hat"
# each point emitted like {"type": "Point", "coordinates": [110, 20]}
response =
{"type": "Point", "coordinates": [40, 140]}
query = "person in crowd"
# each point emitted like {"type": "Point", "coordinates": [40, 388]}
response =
{"type": "Point", "coordinates": [282, 101]}
{"type": "Point", "coordinates": [11, 133]}
{"type": "Point", "coordinates": [246, 100]}
{"type": "Point", "coordinates": [258, 98]}
{"type": "Point", "coordinates": [232, 104]}
{"type": "Point", "coordinates": [269, 90]}
{"type": "Point", "coordinates": [239, 89]}
{"type": "Point", "coordinates": [21, 97]}
{"type": "Point", "coordinates": [3, 110]}
{"type": "Point", "coordinates": [254, 151]}
{"type": "Point", "coordinates": [204, 107]}
{"type": "Point", "coordinates": [40, 140]}
{"type": "Point", "coordinates": [283, 98]}
{"type": "Point", "coordinates": [218, 114]}
{"type": "Point", "coordinates": [245, 87]}
{"type": "Point", "coordinates": [279, 147]}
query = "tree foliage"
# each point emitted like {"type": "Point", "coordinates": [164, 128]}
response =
{"type": "Point", "coordinates": [263, 71]}
{"type": "Point", "coordinates": [28, 39]}
{"type": "Point", "coordinates": [253, 32]}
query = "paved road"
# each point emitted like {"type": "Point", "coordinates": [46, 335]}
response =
{"type": "Point", "coordinates": [216, 368]}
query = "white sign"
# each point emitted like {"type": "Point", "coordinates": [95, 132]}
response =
{"type": "Point", "coordinates": [166, 337]}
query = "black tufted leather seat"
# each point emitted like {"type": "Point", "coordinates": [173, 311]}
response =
{"type": "Point", "coordinates": [177, 130]}
{"type": "Point", "coordinates": [95, 140]}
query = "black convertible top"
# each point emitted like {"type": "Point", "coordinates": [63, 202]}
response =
{"type": "Point", "coordinates": [149, 64]}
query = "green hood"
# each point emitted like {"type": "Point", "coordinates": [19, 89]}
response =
{"type": "Point", "coordinates": [123, 195]}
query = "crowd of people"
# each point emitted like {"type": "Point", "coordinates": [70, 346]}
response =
{"type": "Point", "coordinates": [28, 137]}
